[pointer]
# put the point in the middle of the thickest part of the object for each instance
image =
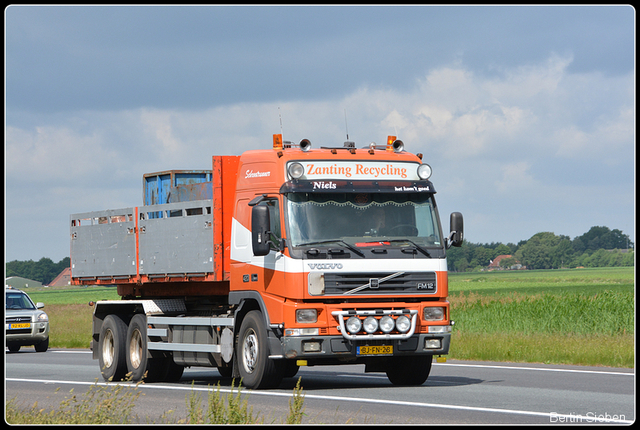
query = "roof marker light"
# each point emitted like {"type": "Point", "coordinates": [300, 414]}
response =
{"type": "Point", "coordinates": [390, 140]}
{"type": "Point", "coordinates": [277, 141]}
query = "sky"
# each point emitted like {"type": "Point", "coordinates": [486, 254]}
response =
{"type": "Point", "coordinates": [526, 114]}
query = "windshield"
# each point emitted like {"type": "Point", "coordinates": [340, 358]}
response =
{"type": "Point", "coordinates": [361, 218]}
{"type": "Point", "coordinates": [16, 300]}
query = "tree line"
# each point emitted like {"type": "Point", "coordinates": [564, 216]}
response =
{"type": "Point", "coordinates": [43, 270]}
{"type": "Point", "coordinates": [599, 247]}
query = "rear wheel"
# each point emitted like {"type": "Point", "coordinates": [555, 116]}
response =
{"type": "Point", "coordinates": [112, 348]}
{"type": "Point", "coordinates": [409, 370]}
{"type": "Point", "coordinates": [171, 372]}
{"type": "Point", "coordinates": [254, 365]}
{"type": "Point", "coordinates": [139, 362]}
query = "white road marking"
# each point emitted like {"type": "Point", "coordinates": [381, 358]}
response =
{"type": "Point", "coordinates": [551, 415]}
{"type": "Point", "coordinates": [544, 369]}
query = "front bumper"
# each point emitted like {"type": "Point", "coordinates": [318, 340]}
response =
{"type": "Point", "coordinates": [323, 348]}
{"type": "Point", "coordinates": [39, 332]}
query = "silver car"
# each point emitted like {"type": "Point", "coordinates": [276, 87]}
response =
{"type": "Point", "coordinates": [25, 323]}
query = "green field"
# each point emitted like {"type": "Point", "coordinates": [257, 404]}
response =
{"type": "Point", "coordinates": [559, 281]}
{"type": "Point", "coordinates": [577, 316]}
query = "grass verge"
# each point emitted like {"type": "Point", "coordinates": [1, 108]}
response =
{"type": "Point", "coordinates": [582, 350]}
{"type": "Point", "coordinates": [114, 404]}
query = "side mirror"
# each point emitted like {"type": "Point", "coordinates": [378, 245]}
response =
{"type": "Point", "coordinates": [260, 233]}
{"type": "Point", "coordinates": [456, 235]}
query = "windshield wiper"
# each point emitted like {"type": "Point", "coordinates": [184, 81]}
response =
{"type": "Point", "coordinates": [322, 242]}
{"type": "Point", "coordinates": [418, 247]}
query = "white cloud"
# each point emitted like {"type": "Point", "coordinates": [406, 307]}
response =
{"type": "Point", "coordinates": [516, 178]}
{"type": "Point", "coordinates": [52, 153]}
{"type": "Point", "coordinates": [603, 141]}
{"type": "Point", "coordinates": [499, 145]}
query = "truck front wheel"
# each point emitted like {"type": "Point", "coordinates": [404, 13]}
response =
{"type": "Point", "coordinates": [409, 370]}
{"type": "Point", "coordinates": [112, 348]}
{"type": "Point", "coordinates": [254, 365]}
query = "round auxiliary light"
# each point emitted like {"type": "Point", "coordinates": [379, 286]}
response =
{"type": "Point", "coordinates": [370, 324]}
{"type": "Point", "coordinates": [296, 170]}
{"type": "Point", "coordinates": [387, 324]}
{"type": "Point", "coordinates": [354, 325]}
{"type": "Point", "coordinates": [403, 323]}
{"type": "Point", "coordinates": [424, 171]}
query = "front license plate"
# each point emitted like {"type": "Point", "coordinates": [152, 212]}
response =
{"type": "Point", "coordinates": [375, 350]}
{"type": "Point", "coordinates": [19, 325]}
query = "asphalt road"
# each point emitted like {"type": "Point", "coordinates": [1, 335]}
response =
{"type": "Point", "coordinates": [457, 392]}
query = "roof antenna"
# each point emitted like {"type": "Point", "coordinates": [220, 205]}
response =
{"type": "Point", "coordinates": [345, 123]}
{"type": "Point", "coordinates": [348, 143]}
{"type": "Point", "coordinates": [280, 115]}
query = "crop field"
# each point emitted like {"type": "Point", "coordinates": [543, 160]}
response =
{"type": "Point", "coordinates": [577, 316]}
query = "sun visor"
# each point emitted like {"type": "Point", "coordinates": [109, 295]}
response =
{"type": "Point", "coordinates": [340, 186]}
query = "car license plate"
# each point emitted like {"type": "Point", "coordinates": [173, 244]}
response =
{"type": "Point", "coordinates": [19, 325]}
{"type": "Point", "coordinates": [375, 350]}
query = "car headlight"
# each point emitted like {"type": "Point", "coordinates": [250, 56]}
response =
{"type": "Point", "coordinates": [433, 313]}
{"type": "Point", "coordinates": [42, 317]}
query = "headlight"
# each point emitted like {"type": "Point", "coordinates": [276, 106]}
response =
{"type": "Point", "coordinates": [296, 170]}
{"type": "Point", "coordinates": [43, 317]}
{"type": "Point", "coordinates": [433, 314]}
{"type": "Point", "coordinates": [354, 325]}
{"type": "Point", "coordinates": [370, 324]}
{"type": "Point", "coordinates": [424, 171]}
{"type": "Point", "coordinates": [403, 324]}
{"type": "Point", "coordinates": [306, 315]}
{"type": "Point", "coordinates": [387, 324]}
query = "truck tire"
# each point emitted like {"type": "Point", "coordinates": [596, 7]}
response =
{"type": "Point", "coordinates": [171, 372]}
{"type": "Point", "coordinates": [139, 363]}
{"type": "Point", "coordinates": [409, 370]}
{"type": "Point", "coordinates": [254, 365]}
{"type": "Point", "coordinates": [112, 348]}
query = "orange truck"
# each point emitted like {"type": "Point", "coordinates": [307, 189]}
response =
{"type": "Point", "coordinates": [275, 259]}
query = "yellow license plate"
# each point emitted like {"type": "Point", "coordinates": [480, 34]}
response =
{"type": "Point", "coordinates": [375, 350]}
{"type": "Point", "coordinates": [20, 325]}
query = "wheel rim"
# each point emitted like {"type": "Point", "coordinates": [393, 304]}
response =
{"type": "Point", "coordinates": [135, 349]}
{"type": "Point", "coordinates": [250, 351]}
{"type": "Point", "coordinates": [108, 349]}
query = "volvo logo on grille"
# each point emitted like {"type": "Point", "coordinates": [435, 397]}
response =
{"type": "Point", "coordinates": [325, 266]}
